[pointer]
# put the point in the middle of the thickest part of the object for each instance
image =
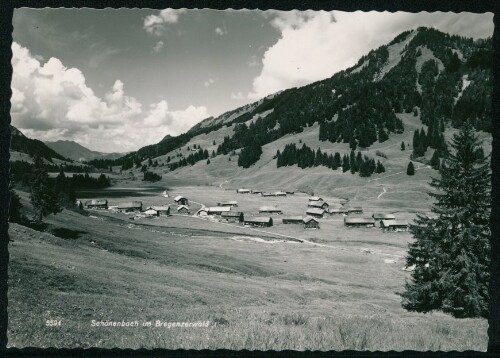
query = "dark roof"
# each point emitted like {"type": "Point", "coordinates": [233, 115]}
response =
{"type": "Point", "coordinates": [232, 214]}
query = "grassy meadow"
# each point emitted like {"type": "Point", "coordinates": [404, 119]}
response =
{"type": "Point", "coordinates": [338, 289]}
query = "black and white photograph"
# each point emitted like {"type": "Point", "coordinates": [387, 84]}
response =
{"type": "Point", "coordinates": [250, 179]}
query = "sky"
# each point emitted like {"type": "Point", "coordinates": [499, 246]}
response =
{"type": "Point", "coordinates": [117, 80]}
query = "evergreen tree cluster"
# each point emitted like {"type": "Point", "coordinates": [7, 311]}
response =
{"type": "Point", "coordinates": [305, 157]}
{"type": "Point", "coordinates": [151, 176]}
{"type": "Point", "coordinates": [85, 181]}
{"type": "Point", "coordinates": [433, 139]}
{"type": "Point", "coordinates": [63, 187]}
{"type": "Point", "coordinates": [191, 159]}
{"type": "Point", "coordinates": [249, 155]}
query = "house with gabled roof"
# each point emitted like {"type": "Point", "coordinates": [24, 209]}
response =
{"type": "Point", "coordinates": [183, 209]}
{"type": "Point", "coordinates": [259, 221]}
{"type": "Point", "coordinates": [310, 223]}
{"type": "Point", "coordinates": [359, 222]}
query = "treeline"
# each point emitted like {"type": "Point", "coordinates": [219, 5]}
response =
{"type": "Point", "coordinates": [21, 171]}
{"type": "Point", "coordinates": [150, 176]}
{"type": "Point", "coordinates": [305, 157]}
{"type": "Point", "coordinates": [191, 159]}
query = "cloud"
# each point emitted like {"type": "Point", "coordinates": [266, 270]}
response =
{"type": "Point", "coordinates": [50, 102]}
{"type": "Point", "coordinates": [209, 82]}
{"type": "Point", "coordinates": [237, 96]}
{"type": "Point", "coordinates": [316, 44]}
{"type": "Point", "coordinates": [155, 24]}
{"type": "Point", "coordinates": [158, 46]}
{"type": "Point", "coordinates": [221, 31]}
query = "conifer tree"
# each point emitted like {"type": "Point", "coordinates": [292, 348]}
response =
{"type": "Point", "coordinates": [42, 197]}
{"type": "Point", "coordinates": [451, 251]}
{"type": "Point", "coordinates": [403, 146]}
{"type": "Point", "coordinates": [435, 162]}
{"type": "Point", "coordinates": [345, 163]}
{"type": "Point", "coordinates": [410, 170]}
{"type": "Point", "coordinates": [380, 167]}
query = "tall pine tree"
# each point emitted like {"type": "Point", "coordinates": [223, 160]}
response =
{"type": "Point", "coordinates": [451, 252]}
{"type": "Point", "coordinates": [43, 198]}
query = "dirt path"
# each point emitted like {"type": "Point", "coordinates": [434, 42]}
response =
{"type": "Point", "coordinates": [382, 193]}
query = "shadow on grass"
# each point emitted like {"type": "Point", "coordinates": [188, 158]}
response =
{"type": "Point", "coordinates": [67, 234]}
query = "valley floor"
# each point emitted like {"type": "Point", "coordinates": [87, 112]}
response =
{"type": "Point", "coordinates": [257, 290]}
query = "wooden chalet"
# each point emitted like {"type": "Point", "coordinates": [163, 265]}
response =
{"type": "Point", "coordinates": [203, 212]}
{"type": "Point", "coordinates": [228, 203]}
{"type": "Point", "coordinates": [315, 212]}
{"type": "Point", "coordinates": [161, 210]}
{"type": "Point", "coordinates": [292, 220]}
{"type": "Point", "coordinates": [96, 204]}
{"type": "Point", "coordinates": [270, 210]}
{"type": "Point", "coordinates": [183, 209]}
{"type": "Point", "coordinates": [256, 191]}
{"type": "Point", "coordinates": [243, 191]}
{"type": "Point", "coordinates": [310, 223]}
{"type": "Point", "coordinates": [150, 212]}
{"type": "Point", "coordinates": [318, 204]}
{"type": "Point", "coordinates": [217, 210]}
{"type": "Point", "coordinates": [181, 200]}
{"type": "Point", "coordinates": [355, 210]}
{"type": "Point", "coordinates": [289, 192]}
{"type": "Point", "coordinates": [393, 225]}
{"type": "Point", "coordinates": [232, 216]}
{"type": "Point", "coordinates": [267, 194]}
{"type": "Point", "coordinates": [259, 221]}
{"type": "Point", "coordinates": [381, 216]}
{"type": "Point", "coordinates": [280, 193]}
{"type": "Point", "coordinates": [134, 206]}
{"type": "Point", "coordinates": [315, 198]}
{"type": "Point", "coordinates": [359, 222]}
{"type": "Point", "coordinates": [337, 211]}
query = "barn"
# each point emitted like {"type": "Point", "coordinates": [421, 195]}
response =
{"type": "Point", "coordinates": [359, 222]}
{"type": "Point", "coordinates": [217, 210]}
{"type": "Point", "coordinates": [293, 220]}
{"type": "Point", "coordinates": [337, 211]}
{"type": "Point", "coordinates": [267, 194]}
{"type": "Point", "coordinates": [161, 210]}
{"type": "Point", "coordinates": [96, 204]}
{"type": "Point", "coordinates": [355, 210]}
{"type": "Point", "coordinates": [311, 223]}
{"type": "Point", "coordinates": [134, 206]}
{"type": "Point", "coordinates": [150, 212]}
{"type": "Point", "coordinates": [315, 212]}
{"type": "Point", "coordinates": [243, 191]}
{"type": "Point", "coordinates": [256, 191]}
{"type": "Point", "coordinates": [232, 216]}
{"type": "Point", "coordinates": [280, 193]}
{"type": "Point", "coordinates": [183, 209]}
{"type": "Point", "coordinates": [318, 204]}
{"type": "Point", "coordinates": [259, 221]}
{"type": "Point", "coordinates": [290, 192]}
{"type": "Point", "coordinates": [181, 200]}
{"type": "Point", "coordinates": [270, 210]}
{"type": "Point", "coordinates": [393, 225]}
{"type": "Point", "coordinates": [381, 216]}
{"type": "Point", "coordinates": [315, 198]}
{"type": "Point", "coordinates": [228, 203]}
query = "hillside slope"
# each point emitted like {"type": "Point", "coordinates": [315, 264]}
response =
{"type": "Point", "coordinates": [423, 80]}
{"type": "Point", "coordinates": [75, 151]}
